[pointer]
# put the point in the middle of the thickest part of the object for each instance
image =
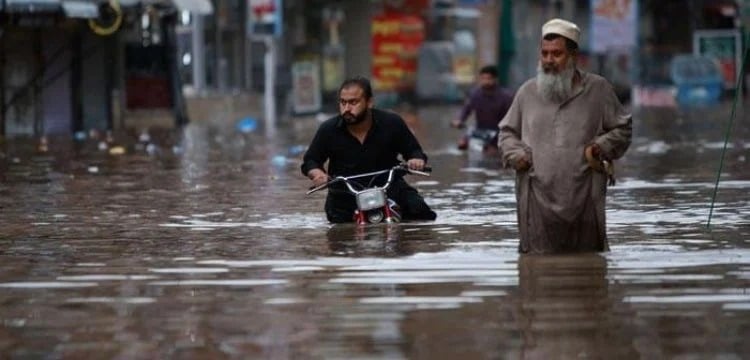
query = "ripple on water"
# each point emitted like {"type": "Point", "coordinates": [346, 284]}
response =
{"type": "Point", "coordinates": [47, 284]}
{"type": "Point", "coordinates": [232, 282]}
{"type": "Point", "coordinates": [671, 299]}
{"type": "Point", "coordinates": [418, 300]}
{"type": "Point", "coordinates": [672, 256]}
{"type": "Point", "coordinates": [287, 221]}
{"type": "Point", "coordinates": [105, 277]}
{"type": "Point", "coordinates": [189, 270]}
{"type": "Point", "coordinates": [111, 300]}
{"type": "Point", "coordinates": [285, 301]}
{"type": "Point", "coordinates": [737, 306]}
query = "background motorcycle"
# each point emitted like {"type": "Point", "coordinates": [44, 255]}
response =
{"type": "Point", "coordinates": [481, 139]}
{"type": "Point", "coordinates": [373, 204]}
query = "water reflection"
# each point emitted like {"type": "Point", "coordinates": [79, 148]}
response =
{"type": "Point", "coordinates": [366, 240]}
{"type": "Point", "coordinates": [563, 307]}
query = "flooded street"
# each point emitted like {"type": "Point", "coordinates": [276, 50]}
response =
{"type": "Point", "coordinates": [211, 249]}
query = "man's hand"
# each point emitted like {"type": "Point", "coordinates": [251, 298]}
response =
{"type": "Point", "coordinates": [593, 155]}
{"type": "Point", "coordinates": [458, 124]}
{"type": "Point", "coordinates": [318, 177]}
{"type": "Point", "coordinates": [415, 164]}
{"type": "Point", "coordinates": [596, 151]}
{"type": "Point", "coordinates": [522, 164]}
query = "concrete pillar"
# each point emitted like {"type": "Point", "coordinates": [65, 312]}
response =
{"type": "Point", "coordinates": [356, 37]}
{"type": "Point", "coordinates": [198, 54]}
{"type": "Point", "coordinates": [220, 60]}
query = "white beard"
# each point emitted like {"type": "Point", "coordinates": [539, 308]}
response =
{"type": "Point", "coordinates": [555, 87]}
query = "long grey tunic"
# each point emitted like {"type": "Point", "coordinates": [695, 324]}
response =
{"type": "Point", "coordinates": [560, 199]}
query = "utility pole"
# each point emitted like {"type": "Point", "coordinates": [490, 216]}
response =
{"type": "Point", "coordinates": [745, 28]}
{"type": "Point", "coordinates": [265, 19]}
{"type": "Point", "coordinates": [554, 9]}
{"type": "Point", "coordinates": [2, 79]}
{"type": "Point", "coordinates": [269, 98]}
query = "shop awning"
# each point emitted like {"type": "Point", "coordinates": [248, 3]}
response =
{"type": "Point", "coordinates": [31, 6]}
{"type": "Point", "coordinates": [200, 7]}
{"type": "Point", "coordinates": [81, 9]}
{"type": "Point", "coordinates": [88, 9]}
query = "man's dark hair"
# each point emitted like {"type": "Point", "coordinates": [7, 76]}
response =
{"type": "Point", "coordinates": [490, 70]}
{"type": "Point", "coordinates": [360, 81]}
{"type": "Point", "coordinates": [569, 44]}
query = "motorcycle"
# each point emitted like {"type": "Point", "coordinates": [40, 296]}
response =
{"type": "Point", "coordinates": [481, 139]}
{"type": "Point", "coordinates": [373, 204]}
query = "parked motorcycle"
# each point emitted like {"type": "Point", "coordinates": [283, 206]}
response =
{"type": "Point", "coordinates": [373, 204]}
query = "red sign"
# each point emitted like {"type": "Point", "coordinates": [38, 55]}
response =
{"type": "Point", "coordinates": [264, 17]}
{"type": "Point", "coordinates": [262, 7]}
{"type": "Point", "coordinates": [396, 39]}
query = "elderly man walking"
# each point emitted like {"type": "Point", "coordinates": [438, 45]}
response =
{"type": "Point", "coordinates": [561, 134]}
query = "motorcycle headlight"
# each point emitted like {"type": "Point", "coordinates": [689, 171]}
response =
{"type": "Point", "coordinates": [370, 199]}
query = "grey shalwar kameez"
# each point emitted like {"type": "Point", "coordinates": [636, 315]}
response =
{"type": "Point", "coordinates": [560, 199]}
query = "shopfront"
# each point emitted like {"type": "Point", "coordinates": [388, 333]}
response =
{"type": "Point", "coordinates": [707, 27]}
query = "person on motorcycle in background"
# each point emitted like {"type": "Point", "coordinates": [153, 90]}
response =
{"type": "Point", "coordinates": [488, 101]}
{"type": "Point", "coordinates": [363, 139]}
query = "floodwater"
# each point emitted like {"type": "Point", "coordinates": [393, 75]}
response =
{"type": "Point", "coordinates": [210, 249]}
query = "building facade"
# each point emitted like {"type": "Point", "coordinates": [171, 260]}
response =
{"type": "Point", "coordinates": [69, 66]}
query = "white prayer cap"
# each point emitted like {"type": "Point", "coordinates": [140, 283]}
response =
{"type": "Point", "coordinates": [562, 27]}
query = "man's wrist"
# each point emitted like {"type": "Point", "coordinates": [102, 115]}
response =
{"type": "Point", "coordinates": [312, 174]}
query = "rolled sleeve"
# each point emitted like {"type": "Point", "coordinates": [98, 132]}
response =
{"type": "Point", "coordinates": [617, 126]}
{"type": "Point", "coordinates": [315, 156]}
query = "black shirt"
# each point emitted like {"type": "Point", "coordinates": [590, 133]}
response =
{"type": "Point", "coordinates": [387, 138]}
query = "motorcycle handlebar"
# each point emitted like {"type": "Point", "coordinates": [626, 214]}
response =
{"type": "Point", "coordinates": [424, 172]}
{"type": "Point", "coordinates": [314, 188]}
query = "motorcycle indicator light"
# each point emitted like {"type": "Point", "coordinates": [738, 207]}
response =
{"type": "Point", "coordinates": [371, 199]}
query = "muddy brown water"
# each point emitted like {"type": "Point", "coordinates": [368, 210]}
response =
{"type": "Point", "coordinates": [210, 249]}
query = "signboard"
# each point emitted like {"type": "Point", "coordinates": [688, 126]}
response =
{"type": "Point", "coordinates": [333, 51]}
{"type": "Point", "coordinates": [333, 67]}
{"type": "Point", "coordinates": [306, 96]}
{"type": "Point", "coordinates": [396, 39]}
{"type": "Point", "coordinates": [464, 68]}
{"type": "Point", "coordinates": [613, 25]}
{"type": "Point", "coordinates": [264, 17]}
{"type": "Point", "coordinates": [654, 96]}
{"type": "Point", "coordinates": [723, 45]}
{"type": "Point", "coordinates": [745, 11]}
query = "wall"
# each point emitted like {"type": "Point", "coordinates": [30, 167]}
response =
{"type": "Point", "coordinates": [529, 17]}
{"type": "Point", "coordinates": [18, 71]}
{"type": "Point", "coordinates": [487, 42]}
{"type": "Point", "coordinates": [56, 96]}
{"type": "Point", "coordinates": [357, 37]}
{"type": "Point", "coordinates": [95, 92]}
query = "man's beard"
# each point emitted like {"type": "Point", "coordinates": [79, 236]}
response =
{"type": "Point", "coordinates": [351, 119]}
{"type": "Point", "coordinates": [555, 87]}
